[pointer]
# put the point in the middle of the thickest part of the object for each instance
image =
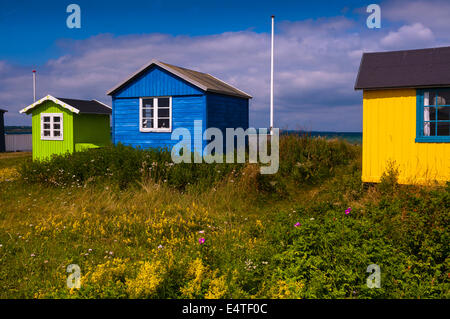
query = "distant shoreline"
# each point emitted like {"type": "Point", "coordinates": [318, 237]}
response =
{"type": "Point", "coordinates": [352, 137]}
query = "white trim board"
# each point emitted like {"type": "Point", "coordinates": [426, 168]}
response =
{"type": "Point", "coordinates": [53, 99]}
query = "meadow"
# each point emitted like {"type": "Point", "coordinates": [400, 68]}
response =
{"type": "Point", "coordinates": [141, 227]}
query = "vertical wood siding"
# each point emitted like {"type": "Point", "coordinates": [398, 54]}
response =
{"type": "Point", "coordinates": [227, 112]}
{"type": "Point", "coordinates": [43, 149]}
{"type": "Point", "coordinates": [185, 110]}
{"type": "Point", "coordinates": [91, 128]}
{"type": "Point", "coordinates": [158, 82]}
{"type": "Point", "coordinates": [389, 132]}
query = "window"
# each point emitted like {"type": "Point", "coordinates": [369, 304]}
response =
{"type": "Point", "coordinates": [51, 126]}
{"type": "Point", "coordinates": [155, 114]}
{"type": "Point", "coordinates": [433, 115]}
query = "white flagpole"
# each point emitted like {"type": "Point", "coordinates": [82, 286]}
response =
{"type": "Point", "coordinates": [34, 86]}
{"type": "Point", "coordinates": [271, 78]}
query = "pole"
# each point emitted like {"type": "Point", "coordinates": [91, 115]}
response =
{"type": "Point", "coordinates": [34, 86]}
{"type": "Point", "coordinates": [271, 78]}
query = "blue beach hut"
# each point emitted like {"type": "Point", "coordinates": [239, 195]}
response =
{"type": "Point", "coordinates": [159, 98]}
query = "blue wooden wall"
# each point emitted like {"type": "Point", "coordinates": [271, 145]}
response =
{"type": "Point", "coordinates": [189, 103]}
{"type": "Point", "coordinates": [227, 111]}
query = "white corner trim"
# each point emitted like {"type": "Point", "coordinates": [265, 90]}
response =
{"type": "Point", "coordinates": [53, 99]}
{"type": "Point", "coordinates": [103, 104]}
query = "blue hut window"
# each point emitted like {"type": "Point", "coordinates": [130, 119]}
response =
{"type": "Point", "coordinates": [155, 114]}
{"type": "Point", "coordinates": [433, 115]}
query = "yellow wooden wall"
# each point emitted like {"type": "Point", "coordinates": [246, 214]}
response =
{"type": "Point", "coordinates": [389, 132]}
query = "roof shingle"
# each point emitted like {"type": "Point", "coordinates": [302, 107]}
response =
{"type": "Point", "coordinates": [404, 69]}
{"type": "Point", "coordinates": [87, 106]}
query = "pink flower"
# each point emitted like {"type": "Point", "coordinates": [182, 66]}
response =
{"type": "Point", "coordinates": [297, 224]}
{"type": "Point", "coordinates": [348, 210]}
{"type": "Point", "coordinates": [201, 241]}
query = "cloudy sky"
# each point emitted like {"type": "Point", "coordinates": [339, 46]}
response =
{"type": "Point", "coordinates": [318, 50]}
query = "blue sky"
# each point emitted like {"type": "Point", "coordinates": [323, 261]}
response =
{"type": "Point", "coordinates": [318, 48]}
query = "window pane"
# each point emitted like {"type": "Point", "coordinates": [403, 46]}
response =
{"type": "Point", "coordinates": [163, 102]}
{"type": "Point", "coordinates": [56, 126]}
{"type": "Point", "coordinates": [147, 102]}
{"type": "Point", "coordinates": [56, 133]}
{"type": "Point", "coordinates": [429, 98]}
{"type": "Point", "coordinates": [444, 98]}
{"type": "Point", "coordinates": [443, 129]}
{"type": "Point", "coordinates": [163, 123]}
{"type": "Point", "coordinates": [46, 126]}
{"type": "Point", "coordinates": [163, 112]}
{"type": "Point", "coordinates": [46, 133]}
{"type": "Point", "coordinates": [57, 119]}
{"type": "Point", "coordinates": [443, 113]}
{"type": "Point", "coordinates": [147, 123]}
{"type": "Point", "coordinates": [429, 128]}
{"type": "Point", "coordinates": [46, 118]}
{"type": "Point", "coordinates": [147, 112]}
{"type": "Point", "coordinates": [432, 111]}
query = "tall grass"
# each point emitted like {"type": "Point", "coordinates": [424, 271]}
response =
{"type": "Point", "coordinates": [138, 237]}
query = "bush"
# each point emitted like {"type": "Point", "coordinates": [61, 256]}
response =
{"type": "Point", "coordinates": [302, 159]}
{"type": "Point", "coordinates": [123, 166]}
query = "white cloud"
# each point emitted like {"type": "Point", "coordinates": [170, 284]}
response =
{"type": "Point", "coordinates": [431, 13]}
{"type": "Point", "coordinates": [411, 36]}
{"type": "Point", "coordinates": [315, 68]}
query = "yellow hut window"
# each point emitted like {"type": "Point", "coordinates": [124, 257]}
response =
{"type": "Point", "coordinates": [433, 116]}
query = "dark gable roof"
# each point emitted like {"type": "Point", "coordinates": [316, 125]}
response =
{"type": "Point", "coordinates": [86, 106]}
{"type": "Point", "coordinates": [204, 81]}
{"type": "Point", "coordinates": [404, 69]}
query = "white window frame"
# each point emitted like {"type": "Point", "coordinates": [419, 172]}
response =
{"type": "Point", "coordinates": [52, 117]}
{"type": "Point", "coordinates": [155, 115]}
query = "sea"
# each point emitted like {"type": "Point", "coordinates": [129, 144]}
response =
{"type": "Point", "coordinates": [351, 137]}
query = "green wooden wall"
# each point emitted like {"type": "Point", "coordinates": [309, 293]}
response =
{"type": "Point", "coordinates": [43, 149]}
{"type": "Point", "coordinates": [80, 131]}
{"type": "Point", "coordinates": [91, 130]}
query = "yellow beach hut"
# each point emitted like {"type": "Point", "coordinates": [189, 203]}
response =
{"type": "Point", "coordinates": [406, 114]}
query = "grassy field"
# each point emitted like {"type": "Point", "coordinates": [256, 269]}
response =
{"type": "Point", "coordinates": [135, 224]}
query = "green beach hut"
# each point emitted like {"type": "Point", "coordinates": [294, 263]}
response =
{"type": "Point", "coordinates": [61, 125]}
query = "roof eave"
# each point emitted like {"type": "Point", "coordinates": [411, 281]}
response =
{"type": "Point", "coordinates": [402, 87]}
{"type": "Point", "coordinates": [53, 99]}
{"type": "Point", "coordinates": [243, 95]}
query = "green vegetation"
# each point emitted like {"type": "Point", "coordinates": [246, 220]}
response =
{"type": "Point", "coordinates": [133, 222]}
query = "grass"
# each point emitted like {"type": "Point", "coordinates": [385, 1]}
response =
{"type": "Point", "coordinates": [138, 237]}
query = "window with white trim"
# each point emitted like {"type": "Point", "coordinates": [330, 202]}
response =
{"type": "Point", "coordinates": [155, 114]}
{"type": "Point", "coordinates": [51, 126]}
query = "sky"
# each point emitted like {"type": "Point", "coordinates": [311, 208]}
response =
{"type": "Point", "coordinates": [318, 48]}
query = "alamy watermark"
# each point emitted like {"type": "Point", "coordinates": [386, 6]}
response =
{"type": "Point", "coordinates": [74, 19]}
{"type": "Point", "coordinates": [236, 142]}
{"type": "Point", "coordinates": [74, 279]}
{"type": "Point", "coordinates": [374, 19]}
{"type": "Point", "coordinates": [374, 279]}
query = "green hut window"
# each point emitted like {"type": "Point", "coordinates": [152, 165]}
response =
{"type": "Point", "coordinates": [51, 126]}
{"type": "Point", "coordinates": [433, 116]}
{"type": "Point", "coordinates": [155, 114]}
